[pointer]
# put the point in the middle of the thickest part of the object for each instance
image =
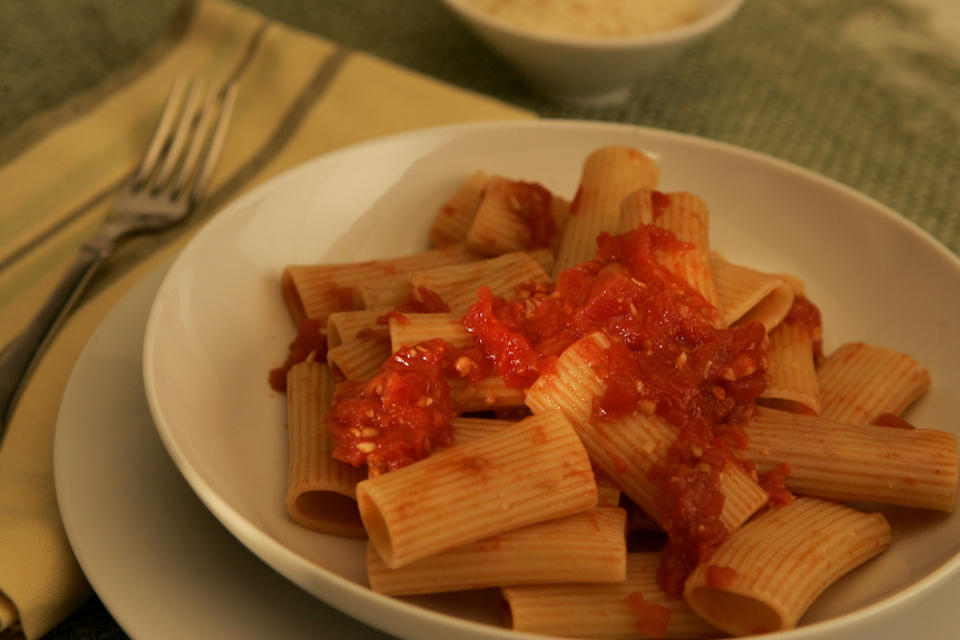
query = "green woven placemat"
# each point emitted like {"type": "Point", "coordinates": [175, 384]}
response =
{"type": "Point", "coordinates": [862, 91]}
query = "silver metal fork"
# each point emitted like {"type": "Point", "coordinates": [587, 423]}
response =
{"type": "Point", "coordinates": [174, 172]}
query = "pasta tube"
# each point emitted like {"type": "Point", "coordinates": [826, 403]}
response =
{"type": "Point", "coordinates": [316, 291]}
{"type": "Point", "coordinates": [627, 449]}
{"type": "Point", "coordinates": [320, 490]}
{"type": "Point", "coordinates": [834, 460]}
{"type": "Point", "coordinates": [345, 326]}
{"type": "Point", "coordinates": [748, 295]}
{"type": "Point", "coordinates": [467, 429]}
{"type": "Point", "coordinates": [634, 608]}
{"type": "Point", "coordinates": [584, 547]}
{"type": "Point", "coordinates": [517, 216]}
{"type": "Point", "coordinates": [360, 359]}
{"type": "Point", "coordinates": [609, 174]}
{"type": "Point", "coordinates": [419, 327]}
{"type": "Point", "coordinates": [791, 378]}
{"type": "Point", "coordinates": [687, 217]}
{"type": "Point", "coordinates": [860, 382]}
{"type": "Point", "coordinates": [767, 573]}
{"type": "Point", "coordinates": [533, 471]}
{"type": "Point", "coordinates": [457, 284]}
{"type": "Point", "coordinates": [452, 222]}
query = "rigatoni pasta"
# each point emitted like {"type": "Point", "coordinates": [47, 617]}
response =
{"type": "Point", "coordinates": [344, 326]}
{"type": "Point", "coordinates": [586, 547]}
{"type": "Point", "coordinates": [457, 284]}
{"type": "Point", "coordinates": [409, 330]}
{"type": "Point", "coordinates": [316, 291]}
{"type": "Point", "coordinates": [768, 572]}
{"type": "Point", "coordinates": [497, 418]}
{"type": "Point", "coordinates": [907, 467]}
{"type": "Point", "coordinates": [477, 490]}
{"type": "Point", "coordinates": [452, 222]}
{"type": "Point", "coordinates": [628, 449]}
{"type": "Point", "coordinates": [321, 491]}
{"type": "Point", "coordinates": [687, 217]}
{"type": "Point", "coordinates": [861, 382]}
{"type": "Point", "coordinates": [361, 358]}
{"type": "Point", "coordinates": [517, 216]}
{"type": "Point", "coordinates": [634, 608]}
{"type": "Point", "coordinates": [793, 348]}
{"type": "Point", "coordinates": [747, 295]}
{"type": "Point", "coordinates": [609, 174]}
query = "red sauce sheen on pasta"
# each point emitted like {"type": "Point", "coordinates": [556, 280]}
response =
{"type": "Point", "coordinates": [341, 298]}
{"type": "Point", "coordinates": [660, 202]}
{"type": "Point", "coordinates": [806, 314]}
{"type": "Point", "coordinates": [719, 577]}
{"type": "Point", "coordinates": [420, 300]}
{"type": "Point", "coordinates": [310, 338]}
{"type": "Point", "coordinates": [532, 204]}
{"type": "Point", "coordinates": [774, 482]}
{"type": "Point", "coordinates": [651, 618]}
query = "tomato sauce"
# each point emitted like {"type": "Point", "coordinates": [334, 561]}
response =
{"type": "Point", "coordinates": [311, 338]}
{"type": "Point", "coordinates": [624, 292]}
{"type": "Point", "coordinates": [774, 483]}
{"type": "Point", "coordinates": [420, 300]}
{"type": "Point", "coordinates": [806, 314]}
{"type": "Point", "coordinates": [667, 358]}
{"type": "Point", "coordinates": [341, 298]}
{"type": "Point", "coordinates": [399, 415]}
{"type": "Point", "coordinates": [690, 501]}
{"type": "Point", "coordinates": [651, 618]}
{"type": "Point", "coordinates": [719, 577]}
{"type": "Point", "coordinates": [532, 203]}
{"type": "Point", "coordinates": [660, 202]}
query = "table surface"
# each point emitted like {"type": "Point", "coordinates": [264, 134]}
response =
{"type": "Point", "coordinates": [866, 91]}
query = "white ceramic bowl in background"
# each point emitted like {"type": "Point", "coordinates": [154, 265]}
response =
{"type": "Point", "coordinates": [594, 70]}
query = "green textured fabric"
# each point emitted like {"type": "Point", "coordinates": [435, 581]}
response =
{"type": "Point", "coordinates": [864, 91]}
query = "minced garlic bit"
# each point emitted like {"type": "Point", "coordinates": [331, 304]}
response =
{"type": "Point", "coordinates": [592, 18]}
{"type": "Point", "coordinates": [464, 366]}
{"type": "Point", "coordinates": [646, 407]}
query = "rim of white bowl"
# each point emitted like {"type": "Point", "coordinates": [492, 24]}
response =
{"type": "Point", "coordinates": [710, 20]}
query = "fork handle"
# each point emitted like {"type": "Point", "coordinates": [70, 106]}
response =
{"type": "Point", "coordinates": [19, 356]}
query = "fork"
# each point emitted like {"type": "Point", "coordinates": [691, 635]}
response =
{"type": "Point", "coordinates": [172, 175]}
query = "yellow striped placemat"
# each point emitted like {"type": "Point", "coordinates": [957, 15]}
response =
{"type": "Point", "coordinates": [299, 96]}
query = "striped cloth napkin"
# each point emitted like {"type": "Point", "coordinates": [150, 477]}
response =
{"type": "Point", "coordinates": [299, 96]}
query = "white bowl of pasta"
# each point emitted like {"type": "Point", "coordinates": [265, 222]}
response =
{"type": "Point", "coordinates": [591, 53]}
{"type": "Point", "coordinates": [220, 323]}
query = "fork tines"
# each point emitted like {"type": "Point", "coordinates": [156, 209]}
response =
{"type": "Point", "coordinates": [183, 153]}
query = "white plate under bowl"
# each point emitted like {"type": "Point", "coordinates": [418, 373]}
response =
{"type": "Point", "coordinates": [159, 561]}
{"type": "Point", "coordinates": [218, 324]}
